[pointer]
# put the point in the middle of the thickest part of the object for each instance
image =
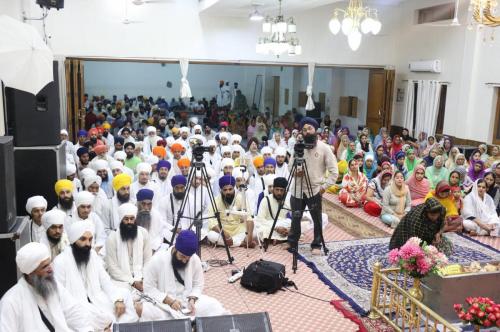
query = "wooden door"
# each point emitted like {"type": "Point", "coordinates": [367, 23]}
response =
{"type": "Point", "coordinates": [74, 96]}
{"type": "Point", "coordinates": [380, 97]}
{"type": "Point", "coordinates": [276, 97]}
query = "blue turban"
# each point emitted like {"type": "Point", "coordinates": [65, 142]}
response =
{"type": "Point", "coordinates": [82, 133]}
{"type": "Point", "coordinates": [119, 139]}
{"type": "Point", "coordinates": [227, 180]}
{"type": "Point", "coordinates": [163, 163]}
{"type": "Point", "coordinates": [186, 242]}
{"type": "Point", "coordinates": [309, 121]}
{"type": "Point", "coordinates": [400, 154]}
{"type": "Point", "coordinates": [270, 161]}
{"type": "Point", "coordinates": [145, 194]}
{"type": "Point", "coordinates": [81, 151]}
{"type": "Point", "coordinates": [178, 179]}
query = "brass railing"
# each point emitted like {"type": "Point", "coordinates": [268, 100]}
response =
{"type": "Point", "coordinates": [391, 301]}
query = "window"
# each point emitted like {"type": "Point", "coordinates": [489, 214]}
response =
{"type": "Point", "coordinates": [496, 132]}
{"type": "Point", "coordinates": [437, 13]}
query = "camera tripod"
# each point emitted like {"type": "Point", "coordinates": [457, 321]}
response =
{"type": "Point", "coordinates": [299, 165]}
{"type": "Point", "coordinates": [198, 166]}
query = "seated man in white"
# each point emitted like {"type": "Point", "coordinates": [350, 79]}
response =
{"type": "Point", "coordinates": [101, 205]}
{"type": "Point", "coordinates": [242, 189]}
{"type": "Point", "coordinates": [127, 250]}
{"type": "Point", "coordinates": [38, 302]}
{"type": "Point", "coordinates": [150, 218]}
{"type": "Point", "coordinates": [55, 237]}
{"type": "Point", "coordinates": [83, 202]}
{"type": "Point", "coordinates": [121, 186]}
{"type": "Point", "coordinates": [171, 206]}
{"type": "Point", "coordinates": [35, 207]}
{"type": "Point", "coordinates": [269, 208]}
{"type": "Point", "coordinates": [175, 277]}
{"type": "Point", "coordinates": [82, 272]}
{"type": "Point", "coordinates": [143, 180]}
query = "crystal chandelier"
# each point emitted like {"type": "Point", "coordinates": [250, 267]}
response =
{"type": "Point", "coordinates": [357, 19]}
{"type": "Point", "coordinates": [482, 13]}
{"type": "Point", "coordinates": [281, 36]}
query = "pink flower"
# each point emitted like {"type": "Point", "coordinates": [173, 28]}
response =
{"type": "Point", "coordinates": [409, 250]}
{"type": "Point", "coordinates": [394, 256]}
{"type": "Point", "coordinates": [431, 250]}
{"type": "Point", "coordinates": [423, 265]}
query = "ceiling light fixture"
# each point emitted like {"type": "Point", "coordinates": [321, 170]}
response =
{"type": "Point", "coordinates": [357, 19]}
{"type": "Point", "coordinates": [256, 15]}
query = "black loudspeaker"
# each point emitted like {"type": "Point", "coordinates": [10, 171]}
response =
{"type": "Point", "coordinates": [34, 120]}
{"type": "Point", "coordinates": [37, 170]}
{"type": "Point", "coordinates": [177, 325]}
{"type": "Point", "coordinates": [7, 188]}
{"type": "Point", "coordinates": [8, 277]}
{"type": "Point", "coordinates": [257, 322]}
{"type": "Point", "coordinates": [57, 4]}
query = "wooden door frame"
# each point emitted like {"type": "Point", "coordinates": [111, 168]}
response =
{"type": "Point", "coordinates": [75, 85]}
{"type": "Point", "coordinates": [494, 139]}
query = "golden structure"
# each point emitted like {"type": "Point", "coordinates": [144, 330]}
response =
{"type": "Point", "coordinates": [483, 12]}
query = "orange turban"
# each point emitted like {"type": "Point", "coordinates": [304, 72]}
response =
{"type": "Point", "coordinates": [184, 162]}
{"type": "Point", "coordinates": [99, 149]}
{"type": "Point", "coordinates": [176, 147]}
{"type": "Point", "coordinates": [159, 151]}
{"type": "Point", "coordinates": [93, 131]}
{"type": "Point", "coordinates": [258, 161]}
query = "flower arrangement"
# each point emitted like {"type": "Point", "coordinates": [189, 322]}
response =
{"type": "Point", "coordinates": [417, 258]}
{"type": "Point", "coordinates": [481, 311]}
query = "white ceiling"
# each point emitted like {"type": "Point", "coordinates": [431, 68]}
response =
{"type": "Point", "coordinates": [242, 8]}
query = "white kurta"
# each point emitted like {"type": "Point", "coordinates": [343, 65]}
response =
{"type": "Point", "coordinates": [91, 285]}
{"type": "Point", "coordinates": [169, 209]}
{"type": "Point", "coordinates": [114, 222]}
{"type": "Point", "coordinates": [36, 232]}
{"type": "Point", "coordinates": [125, 260]}
{"type": "Point", "coordinates": [160, 281]}
{"type": "Point", "coordinates": [99, 232]}
{"type": "Point", "coordinates": [55, 249]}
{"type": "Point", "coordinates": [267, 213]}
{"type": "Point", "coordinates": [282, 171]}
{"type": "Point", "coordinates": [19, 311]}
{"type": "Point", "coordinates": [136, 186]}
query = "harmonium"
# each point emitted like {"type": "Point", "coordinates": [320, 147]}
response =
{"type": "Point", "coordinates": [456, 282]}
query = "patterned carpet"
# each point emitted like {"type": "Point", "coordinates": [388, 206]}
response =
{"type": "Point", "coordinates": [348, 268]}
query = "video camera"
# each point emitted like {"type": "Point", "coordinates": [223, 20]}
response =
{"type": "Point", "coordinates": [300, 146]}
{"type": "Point", "coordinates": [199, 150]}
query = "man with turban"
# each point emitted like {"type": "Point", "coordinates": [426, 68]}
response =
{"type": "Point", "coordinates": [117, 146]}
{"type": "Point", "coordinates": [150, 218]}
{"type": "Point", "coordinates": [128, 250]}
{"type": "Point", "coordinates": [177, 151]}
{"type": "Point", "coordinates": [212, 158]}
{"type": "Point", "coordinates": [281, 169]}
{"type": "Point", "coordinates": [84, 201]}
{"type": "Point", "coordinates": [81, 271]}
{"type": "Point", "coordinates": [160, 152]}
{"type": "Point", "coordinates": [184, 131]}
{"type": "Point", "coordinates": [175, 278]}
{"type": "Point", "coordinates": [269, 208]}
{"type": "Point", "coordinates": [223, 140]}
{"type": "Point", "coordinates": [107, 137]}
{"type": "Point", "coordinates": [38, 302]}
{"type": "Point", "coordinates": [132, 160]}
{"type": "Point", "coordinates": [54, 237]}
{"type": "Point", "coordinates": [269, 165]}
{"type": "Point", "coordinates": [171, 205]}
{"type": "Point", "coordinates": [83, 158]}
{"type": "Point", "coordinates": [267, 152]}
{"type": "Point", "coordinates": [208, 133]}
{"type": "Point", "coordinates": [320, 161]}
{"type": "Point", "coordinates": [144, 181]}
{"type": "Point", "coordinates": [150, 141]}
{"type": "Point", "coordinates": [235, 226]}
{"type": "Point", "coordinates": [243, 190]}
{"type": "Point", "coordinates": [64, 192]}
{"type": "Point", "coordinates": [162, 178]}
{"type": "Point", "coordinates": [101, 168]}
{"type": "Point", "coordinates": [226, 168]}
{"type": "Point", "coordinates": [36, 207]}
{"type": "Point", "coordinates": [184, 164]}
{"type": "Point", "coordinates": [225, 151]}
{"type": "Point", "coordinates": [101, 205]}
{"type": "Point", "coordinates": [81, 136]}
{"type": "Point", "coordinates": [121, 186]}
{"type": "Point", "coordinates": [256, 180]}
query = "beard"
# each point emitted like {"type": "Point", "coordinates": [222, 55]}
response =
{"type": "Point", "coordinates": [122, 198]}
{"type": "Point", "coordinates": [143, 219]}
{"type": "Point", "coordinates": [278, 198]}
{"type": "Point", "coordinates": [81, 254]}
{"type": "Point", "coordinates": [228, 199]}
{"type": "Point", "coordinates": [128, 231]}
{"type": "Point", "coordinates": [179, 196]}
{"type": "Point", "coordinates": [66, 203]}
{"type": "Point", "coordinates": [310, 139]}
{"type": "Point", "coordinates": [279, 164]}
{"type": "Point", "coordinates": [44, 286]}
{"type": "Point", "coordinates": [93, 140]}
{"type": "Point", "coordinates": [130, 155]}
{"type": "Point", "coordinates": [53, 240]}
{"type": "Point", "coordinates": [105, 178]}
{"type": "Point", "coordinates": [177, 263]}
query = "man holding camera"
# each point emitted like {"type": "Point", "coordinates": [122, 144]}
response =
{"type": "Point", "coordinates": [320, 162]}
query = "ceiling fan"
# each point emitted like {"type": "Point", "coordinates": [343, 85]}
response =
{"type": "Point", "coordinates": [143, 2]}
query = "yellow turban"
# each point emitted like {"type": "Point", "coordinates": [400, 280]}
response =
{"type": "Point", "coordinates": [121, 180]}
{"type": "Point", "coordinates": [342, 165]}
{"type": "Point", "coordinates": [258, 161]}
{"type": "Point", "coordinates": [63, 185]}
{"type": "Point", "coordinates": [106, 125]}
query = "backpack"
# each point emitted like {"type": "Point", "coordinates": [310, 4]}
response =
{"type": "Point", "coordinates": [264, 276]}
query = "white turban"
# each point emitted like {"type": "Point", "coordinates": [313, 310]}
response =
{"type": "Point", "coordinates": [235, 137]}
{"type": "Point", "coordinates": [89, 180]}
{"type": "Point", "coordinates": [53, 217]}
{"type": "Point", "coordinates": [269, 179]}
{"type": "Point", "coordinates": [280, 151]}
{"type": "Point", "coordinates": [150, 129]}
{"type": "Point", "coordinates": [115, 164]}
{"type": "Point", "coordinates": [127, 209]}
{"type": "Point", "coordinates": [84, 198]}
{"type": "Point", "coordinates": [170, 140]}
{"type": "Point", "coordinates": [212, 142]}
{"type": "Point", "coordinates": [225, 149]}
{"type": "Point", "coordinates": [237, 173]}
{"type": "Point", "coordinates": [64, 132]}
{"type": "Point", "coordinates": [184, 130]}
{"type": "Point", "coordinates": [194, 120]}
{"type": "Point", "coordinates": [224, 134]}
{"type": "Point", "coordinates": [266, 149]}
{"type": "Point", "coordinates": [121, 155]}
{"type": "Point", "coordinates": [30, 256]}
{"type": "Point", "coordinates": [199, 138]}
{"type": "Point", "coordinates": [78, 228]}
{"type": "Point", "coordinates": [197, 127]}
{"type": "Point", "coordinates": [226, 162]}
{"type": "Point", "coordinates": [86, 172]}
{"type": "Point", "coordinates": [70, 169]}
{"type": "Point", "coordinates": [35, 202]}
{"type": "Point", "coordinates": [238, 148]}
{"type": "Point", "coordinates": [143, 167]}
{"type": "Point", "coordinates": [152, 159]}
{"type": "Point", "coordinates": [100, 164]}
{"type": "Point", "coordinates": [163, 122]}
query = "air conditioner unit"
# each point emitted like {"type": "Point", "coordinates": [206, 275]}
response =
{"type": "Point", "coordinates": [430, 66]}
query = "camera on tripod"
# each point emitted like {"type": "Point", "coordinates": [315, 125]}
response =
{"type": "Point", "coordinates": [199, 150]}
{"type": "Point", "coordinates": [300, 146]}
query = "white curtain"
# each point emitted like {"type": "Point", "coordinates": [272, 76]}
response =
{"type": "Point", "coordinates": [409, 106]}
{"type": "Point", "coordinates": [185, 88]}
{"type": "Point", "coordinates": [427, 107]}
{"type": "Point", "coordinates": [309, 91]}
